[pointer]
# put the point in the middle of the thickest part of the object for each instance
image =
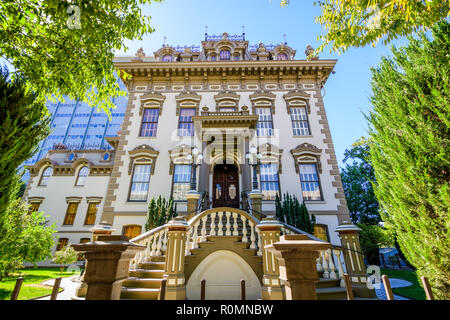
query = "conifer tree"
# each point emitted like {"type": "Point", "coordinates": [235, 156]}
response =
{"type": "Point", "coordinates": [410, 124]}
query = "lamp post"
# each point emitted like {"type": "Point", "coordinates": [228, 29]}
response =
{"type": "Point", "coordinates": [254, 159]}
{"type": "Point", "coordinates": [196, 160]}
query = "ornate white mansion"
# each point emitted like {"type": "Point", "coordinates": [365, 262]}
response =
{"type": "Point", "coordinates": [222, 128]}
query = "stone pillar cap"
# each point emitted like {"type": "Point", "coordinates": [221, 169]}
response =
{"type": "Point", "coordinates": [102, 227]}
{"type": "Point", "coordinates": [177, 222]}
{"type": "Point", "coordinates": [269, 221]}
{"type": "Point", "coordinates": [347, 227]}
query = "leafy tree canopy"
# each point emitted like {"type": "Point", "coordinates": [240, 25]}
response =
{"type": "Point", "coordinates": [410, 128]}
{"type": "Point", "coordinates": [24, 238]}
{"type": "Point", "coordinates": [357, 23]}
{"type": "Point", "coordinates": [357, 178]}
{"type": "Point", "coordinates": [65, 47]}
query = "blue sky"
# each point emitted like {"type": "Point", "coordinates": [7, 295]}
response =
{"type": "Point", "coordinates": [347, 92]}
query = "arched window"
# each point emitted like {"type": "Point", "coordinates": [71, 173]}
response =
{"type": "Point", "coordinates": [45, 175]}
{"type": "Point", "coordinates": [282, 56]}
{"type": "Point", "coordinates": [82, 174]}
{"type": "Point", "coordinates": [167, 58]}
{"type": "Point", "coordinates": [213, 57]}
{"type": "Point", "coordinates": [224, 55]}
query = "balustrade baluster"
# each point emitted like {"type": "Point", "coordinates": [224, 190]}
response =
{"type": "Point", "coordinates": [235, 225]}
{"type": "Point", "coordinates": [212, 232]}
{"type": "Point", "coordinates": [244, 229]}
{"type": "Point", "coordinates": [220, 225]}
{"type": "Point", "coordinates": [340, 269]}
{"type": "Point", "coordinates": [159, 243]}
{"type": "Point", "coordinates": [319, 264]}
{"type": "Point", "coordinates": [188, 240]}
{"type": "Point", "coordinates": [259, 252]}
{"type": "Point", "coordinates": [228, 225]}
{"type": "Point", "coordinates": [203, 238]}
{"type": "Point", "coordinates": [153, 252]}
{"type": "Point", "coordinates": [326, 274]}
{"type": "Point", "coordinates": [252, 235]}
{"type": "Point", "coordinates": [147, 251]}
{"type": "Point", "coordinates": [195, 236]}
{"type": "Point", "coordinates": [164, 244]}
{"type": "Point", "coordinates": [331, 264]}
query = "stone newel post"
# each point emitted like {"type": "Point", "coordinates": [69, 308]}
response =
{"type": "Point", "coordinates": [296, 256]}
{"type": "Point", "coordinates": [192, 202]}
{"type": "Point", "coordinates": [108, 259]}
{"type": "Point", "coordinates": [255, 199]}
{"type": "Point", "coordinates": [175, 253]}
{"type": "Point", "coordinates": [269, 231]}
{"type": "Point", "coordinates": [354, 260]}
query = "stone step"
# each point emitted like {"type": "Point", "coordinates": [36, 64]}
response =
{"type": "Point", "coordinates": [335, 293]}
{"type": "Point", "coordinates": [146, 273]}
{"type": "Point", "coordinates": [152, 265]}
{"type": "Point", "coordinates": [328, 283]}
{"type": "Point", "coordinates": [134, 282]}
{"type": "Point", "coordinates": [140, 293]}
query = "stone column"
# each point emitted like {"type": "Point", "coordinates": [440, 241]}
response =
{"type": "Point", "coordinates": [354, 260]}
{"type": "Point", "coordinates": [296, 255]}
{"type": "Point", "coordinates": [255, 200]}
{"type": "Point", "coordinates": [108, 259]}
{"type": "Point", "coordinates": [175, 253]}
{"type": "Point", "coordinates": [103, 228]}
{"type": "Point", "coordinates": [269, 231]}
{"type": "Point", "coordinates": [192, 202]}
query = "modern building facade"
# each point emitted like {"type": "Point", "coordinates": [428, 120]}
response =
{"type": "Point", "coordinates": [222, 128]}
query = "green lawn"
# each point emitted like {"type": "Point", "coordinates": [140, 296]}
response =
{"type": "Point", "coordinates": [31, 286]}
{"type": "Point", "coordinates": [415, 291]}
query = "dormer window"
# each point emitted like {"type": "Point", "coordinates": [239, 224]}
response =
{"type": "Point", "coordinates": [224, 55]}
{"type": "Point", "coordinates": [282, 56]}
{"type": "Point", "coordinates": [167, 58]}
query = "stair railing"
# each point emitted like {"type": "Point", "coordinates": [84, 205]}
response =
{"type": "Point", "coordinates": [155, 241]}
{"type": "Point", "coordinates": [228, 225]}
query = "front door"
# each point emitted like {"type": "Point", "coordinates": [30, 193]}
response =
{"type": "Point", "coordinates": [226, 186]}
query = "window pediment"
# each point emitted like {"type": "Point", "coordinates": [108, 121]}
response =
{"type": "Point", "coordinates": [143, 154]}
{"type": "Point", "coordinates": [297, 98]}
{"type": "Point", "coordinates": [187, 99]}
{"type": "Point", "coordinates": [307, 152]}
{"type": "Point", "coordinates": [152, 100]}
{"type": "Point", "coordinates": [178, 155]}
{"type": "Point", "coordinates": [263, 99]}
{"type": "Point", "coordinates": [271, 154]}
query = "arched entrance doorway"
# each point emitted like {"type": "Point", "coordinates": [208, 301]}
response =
{"type": "Point", "coordinates": [226, 186]}
{"type": "Point", "coordinates": [223, 271]}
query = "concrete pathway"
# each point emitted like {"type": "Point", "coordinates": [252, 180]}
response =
{"type": "Point", "coordinates": [67, 284]}
{"type": "Point", "coordinates": [395, 283]}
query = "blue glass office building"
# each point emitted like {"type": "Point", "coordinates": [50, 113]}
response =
{"type": "Point", "coordinates": [79, 126]}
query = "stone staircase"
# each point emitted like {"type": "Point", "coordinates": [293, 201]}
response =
{"type": "Point", "coordinates": [144, 282]}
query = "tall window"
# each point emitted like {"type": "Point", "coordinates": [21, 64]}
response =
{"type": "Point", "coordinates": [185, 123]}
{"type": "Point", "coordinates": [82, 174]}
{"type": "Point", "coordinates": [149, 122]}
{"type": "Point", "coordinates": [71, 211]}
{"type": "Point", "coordinates": [299, 119]}
{"type": "Point", "coordinates": [264, 126]}
{"type": "Point", "coordinates": [62, 242]}
{"type": "Point", "coordinates": [181, 181]}
{"type": "Point", "coordinates": [213, 57]}
{"type": "Point", "coordinates": [140, 182]}
{"type": "Point", "coordinates": [282, 56]}
{"type": "Point", "coordinates": [132, 231]}
{"type": "Point", "coordinates": [167, 58]}
{"type": "Point", "coordinates": [321, 232]}
{"type": "Point", "coordinates": [91, 213]}
{"type": "Point", "coordinates": [224, 55]}
{"type": "Point", "coordinates": [45, 175]}
{"type": "Point", "coordinates": [34, 206]}
{"type": "Point", "coordinates": [310, 181]}
{"type": "Point", "coordinates": [81, 255]}
{"type": "Point", "coordinates": [270, 185]}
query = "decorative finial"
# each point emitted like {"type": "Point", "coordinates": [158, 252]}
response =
{"type": "Point", "coordinates": [206, 32]}
{"type": "Point", "coordinates": [309, 53]}
{"type": "Point", "coordinates": [284, 35]}
{"type": "Point", "coordinates": [140, 53]}
{"type": "Point", "coordinates": [164, 43]}
{"type": "Point", "coordinates": [243, 32]}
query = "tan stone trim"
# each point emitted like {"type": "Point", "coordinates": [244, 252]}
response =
{"type": "Point", "coordinates": [270, 151]}
{"type": "Point", "coordinates": [73, 199]}
{"type": "Point", "coordinates": [188, 100]}
{"type": "Point", "coordinates": [152, 101]}
{"type": "Point", "coordinates": [94, 199]}
{"type": "Point", "coordinates": [263, 96]}
{"type": "Point", "coordinates": [130, 213]}
{"type": "Point", "coordinates": [342, 212]}
{"type": "Point", "coordinates": [297, 98]}
{"type": "Point", "coordinates": [35, 199]}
